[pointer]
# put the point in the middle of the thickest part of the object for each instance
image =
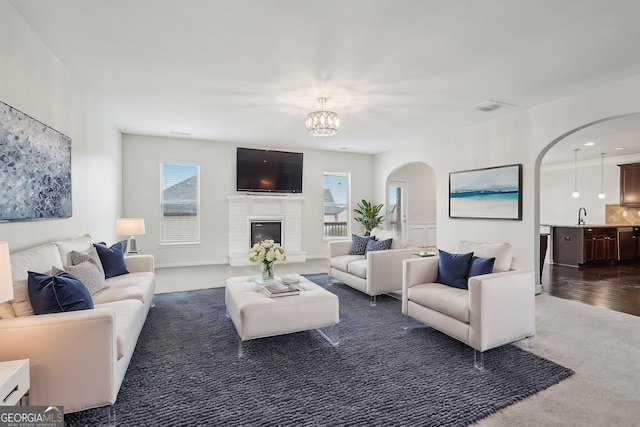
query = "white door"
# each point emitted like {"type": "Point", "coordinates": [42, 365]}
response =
{"type": "Point", "coordinates": [397, 208]}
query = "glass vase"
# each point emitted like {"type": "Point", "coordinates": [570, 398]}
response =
{"type": "Point", "coordinates": [267, 271]}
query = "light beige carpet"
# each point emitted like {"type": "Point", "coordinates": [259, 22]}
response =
{"type": "Point", "coordinates": [603, 348]}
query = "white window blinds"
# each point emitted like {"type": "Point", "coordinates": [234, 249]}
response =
{"type": "Point", "coordinates": [180, 203]}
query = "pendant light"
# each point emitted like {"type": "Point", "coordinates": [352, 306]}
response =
{"type": "Point", "coordinates": [601, 195]}
{"type": "Point", "coordinates": [575, 174]}
{"type": "Point", "coordinates": [322, 123]}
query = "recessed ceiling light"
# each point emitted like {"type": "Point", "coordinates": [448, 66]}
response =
{"type": "Point", "coordinates": [619, 148]}
{"type": "Point", "coordinates": [589, 144]}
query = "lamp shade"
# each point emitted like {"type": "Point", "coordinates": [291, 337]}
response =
{"type": "Point", "coordinates": [130, 226]}
{"type": "Point", "coordinates": [6, 284]}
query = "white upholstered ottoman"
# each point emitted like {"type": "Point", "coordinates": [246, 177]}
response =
{"type": "Point", "coordinates": [255, 315]}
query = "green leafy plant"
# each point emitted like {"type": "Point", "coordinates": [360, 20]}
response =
{"type": "Point", "coordinates": [369, 215]}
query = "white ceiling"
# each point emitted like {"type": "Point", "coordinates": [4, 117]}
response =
{"type": "Point", "coordinates": [397, 72]}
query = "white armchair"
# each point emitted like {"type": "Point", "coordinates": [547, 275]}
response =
{"type": "Point", "coordinates": [496, 309]}
{"type": "Point", "coordinates": [380, 273]}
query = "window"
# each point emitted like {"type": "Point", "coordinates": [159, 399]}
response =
{"type": "Point", "coordinates": [180, 203]}
{"type": "Point", "coordinates": [336, 204]}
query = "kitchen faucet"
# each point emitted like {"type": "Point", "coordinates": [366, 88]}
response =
{"type": "Point", "coordinates": [580, 219]}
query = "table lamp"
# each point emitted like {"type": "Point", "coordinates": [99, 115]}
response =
{"type": "Point", "coordinates": [130, 227]}
{"type": "Point", "coordinates": [6, 284]}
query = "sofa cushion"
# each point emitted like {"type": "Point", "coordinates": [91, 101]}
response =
{"type": "Point", "coordinates": [79, 244]}
{"type": "Point", "coordinates": [112, 258]}
{"type": "Point", "coordinates": [453, 269]}
{"type": "Point", "coordinates": [377, 245]}
{"type": "Point", "coordinates": [138, 286]}
{"type": "Point", "coordinates": [88, 273]}
{"type": "Point", "coordinates": [359, 244]}
{"type": "Point", "coordinates": [342, 262]}
{"type": "Point", "coordinates": [130, 318]}
{"type": "Point", "coordinates": [480, 266]}
{"type": "Point", "coordinates": [358, 268]}
{"type": "Point", "coordinates": [56, 294]}
{"type": "Point", "coordinates": [453, 302]}
{"type": "Point", "coordinates": [500, 251]}
{"type": "Point", "coordinates": [90, 255]}
{"type": "Point", "coordinates": [39, 259]}
{"type": "Point", "coordinates": [6, 310]}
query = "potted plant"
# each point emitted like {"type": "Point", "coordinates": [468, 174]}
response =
{"type": "Point", "coordinates": [369, 215]}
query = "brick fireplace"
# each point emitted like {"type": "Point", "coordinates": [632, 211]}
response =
{"type": "Point", "coordinates": [246, 211]}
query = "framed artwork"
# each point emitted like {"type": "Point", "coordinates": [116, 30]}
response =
{"type": "Point", "coordinates": [35, 168]}
{"type": "Point", "coordinates": [490, 193]}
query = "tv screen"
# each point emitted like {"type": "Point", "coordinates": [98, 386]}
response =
{"type": "Point", "coordinates": [268, 171]}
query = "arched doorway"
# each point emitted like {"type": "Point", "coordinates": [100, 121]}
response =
{"type": "Point", "coordinates": [410, 203]}
{"type": "Point", "coordinates": [583, 160]}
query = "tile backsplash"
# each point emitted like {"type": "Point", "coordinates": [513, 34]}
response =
{"type": "Point", "coordinates": [614, 214]}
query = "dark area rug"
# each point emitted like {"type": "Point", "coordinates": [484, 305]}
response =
{"type": "Point", "coordinates": [186, 371]}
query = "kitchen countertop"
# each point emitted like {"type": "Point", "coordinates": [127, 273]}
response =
{"type": "Point", "coordinates": [594, 225]}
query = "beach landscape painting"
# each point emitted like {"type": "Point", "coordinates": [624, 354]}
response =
{"type": "Point", "coordinates": [491, 193]}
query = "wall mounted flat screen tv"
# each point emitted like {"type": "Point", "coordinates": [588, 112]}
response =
{"type": "Point", "coordinates": [268, 171]}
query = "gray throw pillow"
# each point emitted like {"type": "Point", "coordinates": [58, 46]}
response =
{"type": "Point", "coordinates": [87, 273]}
{"type": "Point", "coordinates": [377, 245]}
{"type": "Point", "coordinates": [359, 244]}
{"type": "Point", "coordinates": [91, 255]}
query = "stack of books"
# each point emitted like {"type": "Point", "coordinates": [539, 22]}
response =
{"type": "Point", "coordinates": [279, 289]}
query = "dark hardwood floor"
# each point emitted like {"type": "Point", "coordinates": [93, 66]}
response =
{"type": "Point", "coordinates": [615, 287]}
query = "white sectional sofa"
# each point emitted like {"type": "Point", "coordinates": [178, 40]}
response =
{"type": "Point", "coordinates": [377, 274]}
{"type": "Point", "coordinates": [496, 308]}
{"type": "Point", "coordinates": [78, 359]}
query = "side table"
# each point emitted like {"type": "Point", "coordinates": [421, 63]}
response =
{"type": "Point", "coordinates": [14, 381]}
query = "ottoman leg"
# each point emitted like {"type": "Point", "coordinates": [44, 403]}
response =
{"type": "Point", "coordinates": [330, 334]}
{"type": "Point", "coordinates": [240, 349]}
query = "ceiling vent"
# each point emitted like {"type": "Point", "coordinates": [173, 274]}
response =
{"type": "Point", "coordinates": [489, 106]}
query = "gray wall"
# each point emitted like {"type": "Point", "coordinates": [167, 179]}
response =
{"type": "Point", "coordinates": [36, 83]}
{"type": "Point", "coordinates": [521, 137]}
{"type": "Point", "coordinates": [557, 207]}
{"type": "Point", "coordinates": [141, 193]}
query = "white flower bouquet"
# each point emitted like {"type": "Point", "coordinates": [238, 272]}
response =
{"type": "Point", "coordinates": [267, 253]}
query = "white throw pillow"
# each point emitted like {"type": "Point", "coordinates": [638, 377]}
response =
{"type": "Point", "coordinates": [500, 251]}
{"type": "Point", "coordinates": [380, 234]}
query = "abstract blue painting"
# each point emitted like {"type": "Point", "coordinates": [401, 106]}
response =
{"type": "Point", "coordinates": [35, 168]}
{"type": "Point", "coordinates": [494, 193]}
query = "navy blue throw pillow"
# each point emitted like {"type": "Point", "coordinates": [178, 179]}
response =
{"type": "Point", "coordinates": [480, 266]}
{"type": "Point", "coordinates": [112, 259]}
{"type": "Point", "coordinates": [359, 244]}
{"type": "Point", "coordinates": [56, 294]}
{"type": "Point", "coordinates": [377, 245]}
{"type": "Point", "coordinates": [453, 269]}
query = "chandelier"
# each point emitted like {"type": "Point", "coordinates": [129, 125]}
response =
{"type": "Point", "coordinates": [322, 123]}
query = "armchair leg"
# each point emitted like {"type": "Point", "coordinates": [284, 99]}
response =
{"type": "Point", "coordinates": [530, 342]}
{"type": "Point", "coordinates": [478, 360]}
{"type": "Point", "coordinates": [372, 303]}
{"type": "Point", "coordinates": [407, 322]}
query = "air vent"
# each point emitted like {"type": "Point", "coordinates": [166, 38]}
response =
{"type": "Point", "coordinates": [489, 106]}
{"type": "Point", "coordinates": [173, 132]}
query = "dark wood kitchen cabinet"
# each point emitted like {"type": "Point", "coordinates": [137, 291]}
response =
{"type": "Point", "coordinates": [600, 245]}
{"type": "Point", "coordinates": [581, 246]}
{"type": "Point", "coordinates": [630, 185]}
